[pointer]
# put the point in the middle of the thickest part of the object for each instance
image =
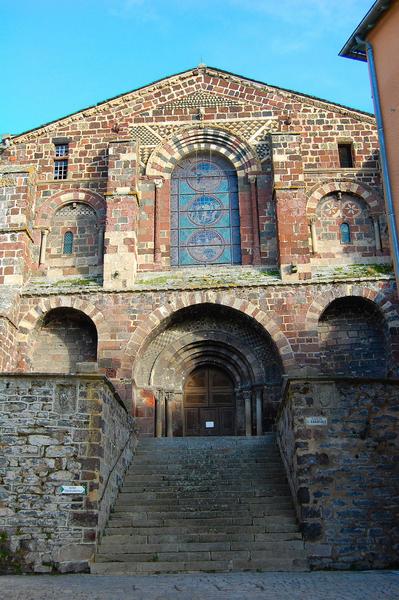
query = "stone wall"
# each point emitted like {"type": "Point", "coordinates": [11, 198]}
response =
{"type": "Point", "coordinates": [344, 475]}
{"type": "Point", "coordinates": [59, 430]}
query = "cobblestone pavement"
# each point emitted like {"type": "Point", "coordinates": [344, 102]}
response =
{"type": "Point", "coordinates": [377, 585]}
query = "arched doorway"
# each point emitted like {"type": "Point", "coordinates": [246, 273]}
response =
{"type": "Point", "coordinates": [212, 363]}
{"type": "Point", "coordinates": [208, 401]}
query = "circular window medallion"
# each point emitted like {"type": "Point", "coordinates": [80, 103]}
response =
{"type": "Point", "coordinates": [205, 210]}
{"type": "Point", "coordinates": [205, 246]}
{"type": "Point", "coordinates": [204, 176]}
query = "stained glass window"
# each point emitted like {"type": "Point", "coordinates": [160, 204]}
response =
{"type": "Point", "coordinates": [68, 242]}
{"type": "Point", "coordinates": [205, 221]}
{"type": "Point", "coordinates": [345, 233]}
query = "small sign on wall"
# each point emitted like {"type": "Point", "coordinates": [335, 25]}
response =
{"type": "Point", "coordinates": [73, 489]}
{"type": "Point", "coordinates": [209, 424]}
{"type": "Point", "coordinates": [316, 421]}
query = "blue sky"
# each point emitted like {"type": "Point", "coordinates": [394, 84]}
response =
{"type": "Point", "coordinates": [60, 56]}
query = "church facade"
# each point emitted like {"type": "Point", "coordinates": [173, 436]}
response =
{"type": "Point", "coordinates": [198, 242]}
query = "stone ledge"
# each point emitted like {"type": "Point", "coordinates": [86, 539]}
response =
{"type": "Point", "coordinates": [69, 376]}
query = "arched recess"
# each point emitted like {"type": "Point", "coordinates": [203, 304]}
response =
{"type": "Point", "coordinates": [196, 139]}
{"type": "Point", "coordinates": [63, 338]}
{"type": "Point", "coordinates": [322, 300]}
{"type": "Point", "coordinates": [148, 325]}
{"type": "Point", "coordinates": [353, 339]}
{"type": "Point", "coordinates": [345, 186]}
{"type": "Point", "coordinates": [209, 336]}
{"type": "Point", "coordinates": [55, 202]}
{"type": "Point", "coordinates": [383, 307]}
{"type": "Point", "coordinates": [32, 319]}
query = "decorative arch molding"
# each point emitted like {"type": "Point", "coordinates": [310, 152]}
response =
{"type": "Point", "coordinates": [196, 139]}
{"type": "Point", "coordinates": [30, 320]}
{"type": "Point", "coordinates": [55, 202]}
{"type": "Point", "coordinates": [186, 354]}
{"type": "Point", "coordinates": [323, 300]}
{"type": "Point", "coordinates": [150, 323]}
{"type": "Point", "coordinates": [346, 186]}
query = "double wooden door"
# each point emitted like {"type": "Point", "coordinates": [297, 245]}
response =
{"type": "Point", "coordinates": [209, 406]}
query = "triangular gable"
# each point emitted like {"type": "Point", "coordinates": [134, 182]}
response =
{"type": "Point", "coordinates": [198, 98]}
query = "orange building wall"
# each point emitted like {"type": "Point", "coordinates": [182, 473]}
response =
{"type": "Point", "coordinates": [385, 41]}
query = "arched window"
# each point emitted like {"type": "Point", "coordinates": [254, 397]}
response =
{"type": "Point", "coordinates": [345, 233]}
{"type": "Point", "coordinates": [68, 242]}
{"type": "Point", "coordinates": [205, 221]}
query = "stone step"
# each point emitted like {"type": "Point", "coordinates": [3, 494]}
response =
{"type": "Point", "coordinates": [213, 566]}
{"type": "Point", "coordinates": [196, 537]}
{"type": "Point", "coordinates": [241, 490]}
{"type": "Point", "coordinates": [203, 504]}
{"type": "Point", "coordinates": [208, 492]}
{"type": "Point", "coordinates": [225, 526]}
{"type": "Point", "coordinates": [240, 511]}
{"type": "Point", "coordinates": [205, 515]}
{"type": "Point", "coordinates": [122, 544]}
{"type": "Point", "coordinates": [126, 555]}
{"type": "Point", "coordinates": [227, 478]}
{"type": "Point", "coordinates": [143, 501]}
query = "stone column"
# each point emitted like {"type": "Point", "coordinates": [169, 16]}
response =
{"type": "Point", "coordinates": [43, 246]}
{"type": "Point", "coordinates": [100, 244]}
{"type": "Point", "coordinates": [157, 210]}
{"type": "Point", "coordinates": [248, 412]}
{"type": "Point", "coordinates": [313, 235]}
{"type": "Point", "coordinates": [255, 220]}
{"type": "Point", "coordinates": [159, 413]}
{"type": "Point", "coordinates": [291, 199]}
{"type": "Point", "coordinates": [377, 234]}
{"type": "Point", "coordinates": [259, 411]}
{"type": "Point", "coordinates": [122, 197]}
{"type": "Point", "coordinates": [169, 399]}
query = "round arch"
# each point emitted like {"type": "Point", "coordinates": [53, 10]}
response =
{"type": "Point", "coordinates": [194, 139]}
{"type": "Point", "coordinates": [346, 186]}
{"type": "Point", "coordinates": [149, 324]}
{"type": "Point", "coordinates": [187, 354]}
{"type": "Point", "coordinates": [31, 318]}
{"type": "Point", "coordinates": [323, 300]}
{"type": "Point", "coordinates": [55, 202]}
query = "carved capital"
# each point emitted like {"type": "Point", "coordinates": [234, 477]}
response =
{"type": "Point", "coordinates": [252, 178]}
{"type": "Point", "coordinates": [158, 183]}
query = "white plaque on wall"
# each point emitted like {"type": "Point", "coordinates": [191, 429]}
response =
{"type": "Point", "coordinates": [209, 424]}
{"type": "Point", "coordinates": [314, 421]}
{"type": "Point", "coordinates": [73, 489]}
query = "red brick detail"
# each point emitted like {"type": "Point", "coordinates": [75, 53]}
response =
{"type": "Point", "coordinates": [30, 319]}
{"type": "Point", "coordinates": [371, 197]}
{"type": "Point", "coordinates": [323, 300]}
{"type": "Point", "coordinates": [150, 323]}
{"type": "Point", "coordinates": [163, 160]}
{"type": "Point", "coordinates": [52, 204]}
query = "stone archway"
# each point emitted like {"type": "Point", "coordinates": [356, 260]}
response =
{"type": "Point", "coordinates": [208, 336]}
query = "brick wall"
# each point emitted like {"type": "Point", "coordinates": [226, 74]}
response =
{"type": "Point", "coordinates": [65, 338]}
{"type": "Point", "coordinates": [344, 475]}
{"type": "Point", "coordinates": [59, 431]}
{"type": "Point", "coordinates": [284, 141]}
{"type": "Point", "coordinates": [352, 337]}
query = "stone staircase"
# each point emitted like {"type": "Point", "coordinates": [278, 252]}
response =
{"type": "Point", "coordinates": [203, 504]}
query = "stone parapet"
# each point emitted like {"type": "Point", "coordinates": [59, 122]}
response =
{"type": "Point", "coordinates": [59, 430]}
{"type": "Point", "coordinates": [339, 441]}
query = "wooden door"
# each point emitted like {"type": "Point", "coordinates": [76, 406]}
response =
{"type": "Point", "coordinates": [209, 403]}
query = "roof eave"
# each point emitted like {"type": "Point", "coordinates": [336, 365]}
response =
{"type": "Point", "coordinates": [352, 48]}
